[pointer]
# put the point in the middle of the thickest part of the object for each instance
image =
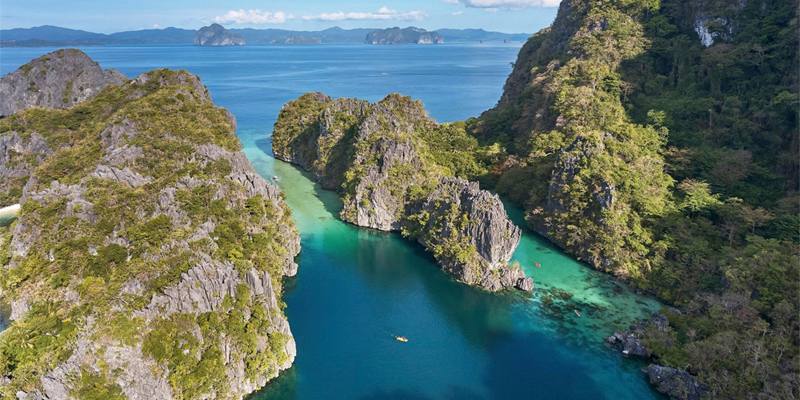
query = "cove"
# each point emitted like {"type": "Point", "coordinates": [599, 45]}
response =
{"type": "Point", "coordinates": [357, 288]}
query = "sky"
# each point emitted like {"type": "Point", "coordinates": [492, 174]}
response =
{"type": "Point", "coordinates": [108, 16]}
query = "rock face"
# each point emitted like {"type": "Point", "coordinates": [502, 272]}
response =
{"type": "Point", "coordinates": [713, 22]}
{"type": "Point", "coordinates": [675, 383]}
{"type": "Point", "coordinates": [59, 79]}
{"type": "Point", "coordinates": [410, 35]}
{"type": "Point", "coordinates": [153, 262]}
{"type": "Point", "coordinates": [376, 156]}
{"type": "Point", "coordinates": [462, 217]}
{"type": "Point", "coordinates": [217, 35]}
{"type": "Point", "coordinates": [18, 156]}
{"type": "Point", "coordinates": [630, 342]}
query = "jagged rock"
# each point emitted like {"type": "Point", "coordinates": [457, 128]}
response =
{"type": "Point", "coordinates": [629, 344]}
{"type": "Point", "coordinates": [124, 176]}
{"type": "Point", "coordinates": [59, 79]}
{"type": "Point", "coordinates": [675, 383]}
{"type": "Point", "coordinates": [570, 163]}
{"type": "Point", "coordinates": [374, 203]}
{"type": "Point", "coordinates": [484, 227]}
{"type": "Point", "coordinates": [138, 377]}
{"type": "Point", "coordinates": [630, 341]}
{"type": "Point", "coordinates": [410, 35]}
{"type": "Point", "coordinates": [217, 35]}
{"type": "Point", "coordinates": [18, 156]}
{"type": "Point", "coordinates": [374, 155]}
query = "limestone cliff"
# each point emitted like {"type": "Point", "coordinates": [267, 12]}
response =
{"type": "Point", "coordinates": [588, 176]}
{"type": "Point", "coordinates": [378, 157]}
{"type": "Point", "coordinates": [217, 35]}
{"type": "Point", "coordinates": [59, 79]}
{"type": "Point", "coordinates": [148, 258]}
{"type": "Point", "coordinates": [410, 35]}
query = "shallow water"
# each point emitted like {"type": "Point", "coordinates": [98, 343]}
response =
{"type": "Point", "coordinates": [358, 288]}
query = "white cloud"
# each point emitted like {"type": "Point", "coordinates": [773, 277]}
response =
{"type": "Point", "coordinates": [383, 14]}
{"type": "Point", "coordinates": [456, 13]}
{"type": "Point", "coordinates": [254, 17]}
{"type": "Point", "coordinates": [505, 3]}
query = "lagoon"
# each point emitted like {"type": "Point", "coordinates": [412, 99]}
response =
{"type": "Point", "coordinates": [356, 289]}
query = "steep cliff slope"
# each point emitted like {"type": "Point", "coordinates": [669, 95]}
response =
{"type": "Point", "coordinates": [59, 79]}
{"type": "Point", "coordinates": [385, 160]}
{"type": "Point", "coordinates": [148, 258]}
{"type": "Point", "coordinates": [658, 140]}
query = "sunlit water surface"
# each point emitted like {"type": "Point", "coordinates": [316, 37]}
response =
{"type": "Point", "coordinates": [357, 288]}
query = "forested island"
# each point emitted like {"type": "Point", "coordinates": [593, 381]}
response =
{"type": "Point", "coordinates": [655, 142]}
{"type": "Point", "coordinates": [48, 35]}
{"type": "Point", "coordinates": [143, 264]}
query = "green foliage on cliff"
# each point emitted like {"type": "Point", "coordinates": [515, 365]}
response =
{"type": "Point", "coordinates": [37, 343]}
{"type": "Point", "coordinates": [99, 249]}
{"type": "Point", "coordinates": [647, 154]}
{"type": "Point", "coordinates": [93, 386]}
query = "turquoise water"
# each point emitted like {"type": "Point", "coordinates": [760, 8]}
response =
{"type": "Point", "coordinates": [357, 288]}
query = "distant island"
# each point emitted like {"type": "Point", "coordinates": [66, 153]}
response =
{"type": "Point", "coordinates": [49, 35]}
{"type": "Point", "coordinates": [410, 35]}
{"type": "Point", "coordinates": [217, 35]}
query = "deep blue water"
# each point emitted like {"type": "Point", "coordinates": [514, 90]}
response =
{"type": "Point", "coordinates": [358, 288]}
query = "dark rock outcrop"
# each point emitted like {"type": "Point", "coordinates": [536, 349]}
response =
{"type": "Point", "coordinates": [376, 156]}
{"type": "Point", "coordinates": [675, 383]}
{"type": "Point", "coordinates": [410, 35]}
{"type": "Point", "coordinates": [630, 342]}
{"type": "Point", "coordinates": [59, 79]}
{"type": "Point", "coordinates": [217, 35]}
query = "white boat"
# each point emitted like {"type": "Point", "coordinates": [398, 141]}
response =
{"type": "Point", "coordinates": [10, 211]}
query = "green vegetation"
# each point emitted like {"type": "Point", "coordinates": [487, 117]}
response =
{"type": "Point", "coordinates": [35, 344]}
{"type": "Point", "coordinates": [92, 241]}
{"type": "Point", "coordinates": [673, 165]}
{"type": "Point", "coordinates": [92, 386]}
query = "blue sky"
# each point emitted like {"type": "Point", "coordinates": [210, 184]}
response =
{"type": "Point", "coordinates": [113, 16]}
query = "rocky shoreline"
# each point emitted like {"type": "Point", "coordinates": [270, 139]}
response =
{"type": "Point", "coordinates": [673, 382]}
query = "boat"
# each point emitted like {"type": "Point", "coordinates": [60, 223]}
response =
{"type": "Point", "coordinates": [401, 339]}
{"type": "Point", "coordinates": [578, 313]}
{"type": "Point", "coordinates": [8, 214]}
{"type": "Point", "coordinates": [275, 178]}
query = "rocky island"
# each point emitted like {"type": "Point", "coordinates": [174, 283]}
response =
{"type": "Point", "coordinates": [395, 172]}
{"type": "Point", "coordinates": [57, 80]}
{"type": "Point", "coordinates": [148, 257]}
{"type": "Point", "coordinates": [217, 35]}
{"type": "Point", "coordinates": [410, 35]}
